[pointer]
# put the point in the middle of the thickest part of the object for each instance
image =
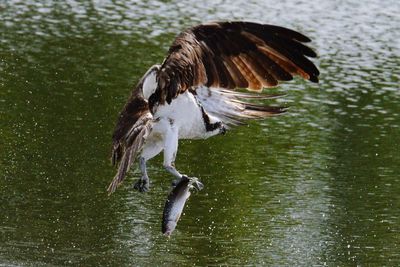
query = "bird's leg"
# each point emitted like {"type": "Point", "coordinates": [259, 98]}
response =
{"type": "Point", "coordinates": [170, 149]}
{"type": "Point", "coordinates": [142, 185]}
{"type": "Point", "coordinates": [151, 149]}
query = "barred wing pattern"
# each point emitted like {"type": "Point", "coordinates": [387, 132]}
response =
{"type": "Point", "coordinates": [233, 55]}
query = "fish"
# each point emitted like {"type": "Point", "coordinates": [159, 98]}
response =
{"type": "Point", "coordinates": [176, 202]}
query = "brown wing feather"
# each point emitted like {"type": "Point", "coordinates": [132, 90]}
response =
{"type": "Point", "coordinates": [237, 76]}
{"type": "Point", "coordinates": [132, 128]}
{"type": "Point", "coordinates": [234, 54]}
{"type": "Point", "coordinates": [254, 83]}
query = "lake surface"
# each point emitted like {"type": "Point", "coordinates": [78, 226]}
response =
{"type": "Point", "coordinates": [316, 186]}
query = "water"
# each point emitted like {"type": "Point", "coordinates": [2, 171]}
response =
{"type": "Point", "coordinates": [317, 186]}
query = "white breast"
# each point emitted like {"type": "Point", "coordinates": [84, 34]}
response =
{"type": "Point", "coordinates": [185, 114]}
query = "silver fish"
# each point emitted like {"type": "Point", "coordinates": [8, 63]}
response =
{"type": "Point", "coordinates": [176, 201]}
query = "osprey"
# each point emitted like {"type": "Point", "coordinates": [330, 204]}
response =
{"type": "Point", "coordinates": [191, 95]}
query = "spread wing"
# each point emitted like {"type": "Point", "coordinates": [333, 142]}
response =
{"type": "Point", "coordinates": [222, 55]}
{"type": "Point", "coordinates": [231, 55]}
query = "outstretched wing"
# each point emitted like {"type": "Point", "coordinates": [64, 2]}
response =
{"type": "Point", "coordinates": [231, 55]}
{"type": "Point", "coordinates": [133, 126]}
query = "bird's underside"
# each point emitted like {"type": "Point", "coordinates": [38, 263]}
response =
{"type": "Point", "coordinates": [192, 94]}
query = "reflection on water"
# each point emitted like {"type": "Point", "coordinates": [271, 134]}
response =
{"type": "Point", "coordinates": [316, 186]}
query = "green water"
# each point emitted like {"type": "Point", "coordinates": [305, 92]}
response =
{"type": "Point", "coordinates": [316, 186]}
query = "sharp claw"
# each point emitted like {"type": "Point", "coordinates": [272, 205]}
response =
{"type": "Point", "coordinates": [142, 185]}
{"type": "Point", "coordinates": [198, 185]}
{"type": "Point", "coordinates": [194, 181]}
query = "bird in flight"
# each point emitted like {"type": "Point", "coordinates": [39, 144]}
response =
{"type": "Point", "coordinates": [194, 93]}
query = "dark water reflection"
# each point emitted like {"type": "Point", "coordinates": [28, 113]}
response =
{"type": "Point", "coordinates": [317, 186]}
